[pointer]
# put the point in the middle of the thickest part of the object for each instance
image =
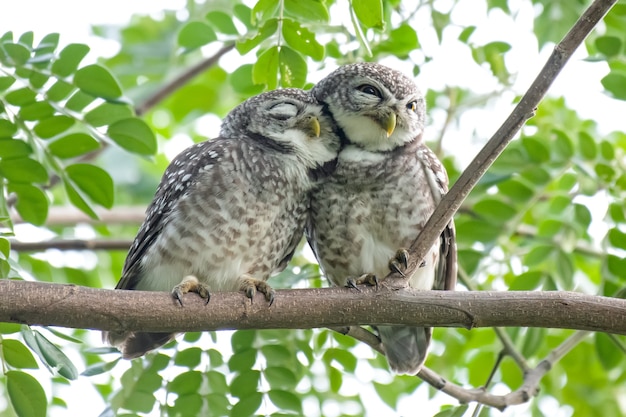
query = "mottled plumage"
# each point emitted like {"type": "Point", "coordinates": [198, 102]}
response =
{"type": "Point", "coordinates": [385, 187]}
{"type": "Point", "coordinates": [229, 212]}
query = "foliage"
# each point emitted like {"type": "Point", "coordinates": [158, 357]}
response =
{"type": "Point", "coordinates": [549, 214]}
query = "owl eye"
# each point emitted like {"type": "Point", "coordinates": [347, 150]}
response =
{"type": "Point", "coordinates": [412, 106]}
{"type": "Point", "coordinates": [370, 89]}
{"type": "Point", "coordinates": [283, 111]}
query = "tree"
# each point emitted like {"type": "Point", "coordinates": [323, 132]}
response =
{"type": "Point", "coordinates": [548, 215]}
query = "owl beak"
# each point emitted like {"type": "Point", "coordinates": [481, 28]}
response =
{"type": "Point", "coordinates": [312, 127]}
{"type": "Point", "coordinates": [388, 123]}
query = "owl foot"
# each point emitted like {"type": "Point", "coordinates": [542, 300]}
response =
{"type": "Point", "coordinates": [365, 279]}
{"type": "Point", "coordinates": [190, 284]}
{"type": "Point", "coordinates": [400, 261]}
{"type": "Point", "coordinates": [251, 285]}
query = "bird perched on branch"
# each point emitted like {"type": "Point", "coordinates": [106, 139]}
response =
{"type": "Point", "coordinates": [229, 212]}
{"type": "Point", "coordinates": [385, 187]}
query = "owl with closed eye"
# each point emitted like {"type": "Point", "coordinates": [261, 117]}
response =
{"type": "Point", "coordinates": [229, 212]}
{"type": "Point", "coordinates": [386, 184]}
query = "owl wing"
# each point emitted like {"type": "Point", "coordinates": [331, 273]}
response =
{"type": "Point", "coordinates": [446, 272]}
{"type": "Point", "coordinates": [178, 177]}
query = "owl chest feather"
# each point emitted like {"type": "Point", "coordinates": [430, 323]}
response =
{"type": "Point", "coordinates": [377, 203]}
{"type": "Point", "coordinates": [238, 217]}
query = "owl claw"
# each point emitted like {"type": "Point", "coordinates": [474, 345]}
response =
{"type": "Point", "coordinates": [365, 279]}
{"type": "Point", "coordinates": [400, 262]}
{"type": "Point", "coordinates": [190, 284]}
{"type": "Point", "coordinates": [251, 285]}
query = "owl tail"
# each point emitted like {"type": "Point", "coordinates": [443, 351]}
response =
{"type": "Point", "coordinates": [405, 347]}
{"type": "Point", "coordinates": [136, 344]}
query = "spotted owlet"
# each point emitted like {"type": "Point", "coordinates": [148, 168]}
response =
{"type": "Point", "coordinates": [229, 212]}
{"type": "Point", "coordinates": [385, 187]}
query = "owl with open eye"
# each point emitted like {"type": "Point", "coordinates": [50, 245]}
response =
{"type": "Point", "coordinates": [386, 185]}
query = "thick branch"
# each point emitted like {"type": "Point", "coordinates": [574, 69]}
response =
{"type": "Point", "coordinates": [498, 142]}
{"type": "Point", "coordinates": [81, 307]}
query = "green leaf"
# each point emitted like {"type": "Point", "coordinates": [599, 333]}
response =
{"type": "Point", "coordinates": [6, 82]}
{"type": "Point", "coordinates": [494, 210]}
{"type": "Point", "coordinates": [536, 148]}
{"type": "Point", "coordinates": [402, 40]}
{"type": "Point", "coordinates": [79, 101]}
{"type": "Point", "coordinates": [369, 12]}
{"type": "Point", "coordinates": [17, 355]}
{"type": "Point", "coordinates": [608, 45]}
{"type": "Point", "coordinates": [23, 171]}
{"type": "Point", "coordinates": [263, 9]}
{"type": "Point", "coordinates": [587, 146]}
{"type": "Point", "coordinates": [52, 126]}
{"type": "Point", "coordinates": [14, 148]}
{"type": "Point", "coordinates": [38, 80]}
{"type": "Point", "coordinates": [248, 43]}
{"type": "Point", "coordinates": [617, 238]}
{"type": "Point", "coordinates": [18, 53]}
{"type": "Point", "coordinates": [99, 368]}
{"type": "Point", "coordinates": [286, 400]}
{"type": "Point", "coordinates": [78, 201]}
{"type": "Point", "coordinates": [244, 14]}
{"type": "Point", "coordinates": [242, 361]}
{"type": "Point", "coordinates": [93, 181]}
{"type": "Point", "coordinates": [32, 203]}
{"type": "Point", "coordinates": [134, 135]}
{"type": "Point", "coordinates": [335, 378]}
{"type": "Point", "coordinates": [69, 59]}
{"type": "Point", "coordinates": [565, 269]}
{"type": "Point", "coordinates": [7, 129]}
{"type": "Point", "coordinates": [59, 91]}
{"type": "Point", "coordinates": [21, 96]}
{"type": "Point", "coordinates": [73, 145]}
{"type": "Point", "coordinates": [538, 254]}
{"type": "Point", "coordinates": [607, 352]}
{"type": "Point", "coordinates": [345, 358]}
{"type": "Point", "coordinates": [293, 68]}
{"type": "Point", "coordinates": [617, 212]}
{"type": "Point", "coordinates": [8, 328]}
{"type": "Point", "coordinates": [217, 382]}
{"type": "Point", "coordinates": [280, 378]}
{"type": "Point", "coordinates": [246, 383]}
{"type": "Point", "coordinates": [387, 393]}
{"type": "Point", "coordinates": [241, 81]}
{"type": "Point", "coordinates": [266, 68]}
{"type": "Point", "coordinates": [516, 190]}
{"type": "Point", "coordinates": [222, 22]}
{"type": "Point", "coordinates": [302, 39]}
{"type": "Point", "coordinates": [97, 81]}
{"type": "Point", "coordinates": [311, 10]}
{"type": "Point", "coordinates": [189, 357]}
{"type": "Point", "coordinates": [454, 411]}
{"type": "Point", "coordinates": [615, 83]}
{"type": "Point", "coordinates": [563, 145]}
{"type": "Point", "coordinates": [242, 340]}
{"type": "Point", "coordinates": [36, 111]}
{"type": "Point", "coordinates": [26, 39]}
{"type": "Point", "coordinates": [247, 406]}
{"type": "Point", "coordinates": [528, 281]}
{"type": "Point", "coordinates": [50, 354]}
{"type": "Point", "coordinates": [26, 395]}
{"type": "Point", "coordinates": [195, 34]}
{"type": "Point", "coordinates": [479, 230]}
{"type": "Point", "coordinates": [186, 383]}
{"type": "Point", "coordinates": [534, 339]}
{"type": "Point", "coordinates": [108, 113]}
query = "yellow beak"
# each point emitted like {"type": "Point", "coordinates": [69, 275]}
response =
{"type": "Point", "coordinates": [313, 126]}
{"type": "Point", "coordinates": [389, 123]}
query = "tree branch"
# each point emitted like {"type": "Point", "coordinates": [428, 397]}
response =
{"type": "Point", "coordinates": [68, 215]}
{"type": "Point", "coordinates": [72, 244]}
{"type": "Point", "coordinates": [75, 306]}
{"type": "Point", "coordinates": [525, 109]}
{"type": "Point", "coordinates": [180, 80]}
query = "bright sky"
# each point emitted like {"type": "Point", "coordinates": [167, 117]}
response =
{"type": "Point", "coordinates": [579, 83]}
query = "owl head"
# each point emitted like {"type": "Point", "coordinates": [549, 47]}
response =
{"type": "Point", "coordinates": [288, 120]}
{"type": "Point", "coordinates": [378, 108]}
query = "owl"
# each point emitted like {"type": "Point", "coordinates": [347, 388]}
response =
{"type": "Point", "coordinates": [229, 212]}
{"type": "Point", "coordinates": [386, 184]}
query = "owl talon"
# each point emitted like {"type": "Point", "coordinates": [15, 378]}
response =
{"type": "Point", "coordinates": [400, 261]}
{"type": "Point", "coordinates": [190, 284]}
{"type": "Point", "coordinates": [351, 283]}
{"type": "Point", "coordinates": [365, 279]}
{"type": "Point", "coordinates": [251, 285]}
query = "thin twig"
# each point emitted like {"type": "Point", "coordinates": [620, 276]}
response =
{"type": "Point", "coordinates": [181, 80]}
{"type": "Point", "coordinates": [525, 109]}
{"type": "Point", "coordinates": [69, 215]}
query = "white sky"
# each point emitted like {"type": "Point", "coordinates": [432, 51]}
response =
{"type": "Point", "coordinates": [579, 83]}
